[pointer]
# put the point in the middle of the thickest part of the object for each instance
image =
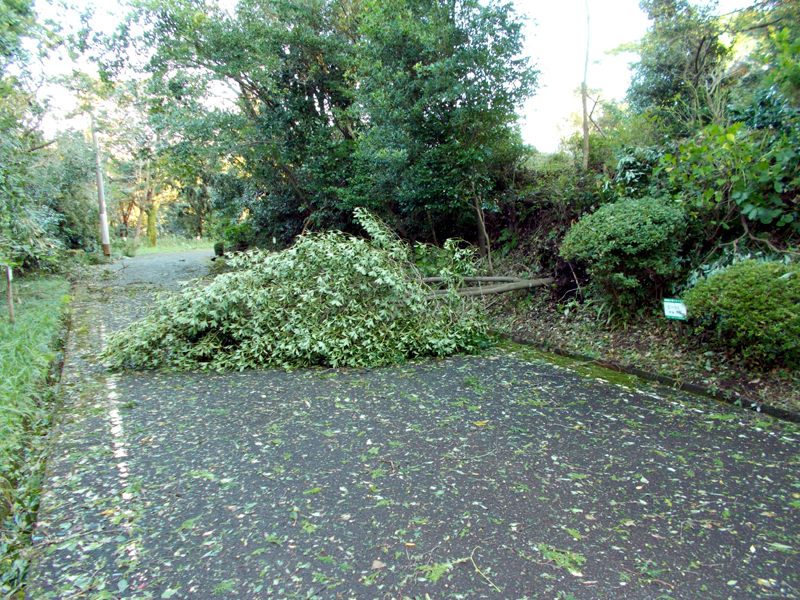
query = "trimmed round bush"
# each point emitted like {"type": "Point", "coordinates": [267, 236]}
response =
{"type": "Point", "coordinates": [754, 307]}
{"type": "Point", "coordinates": [219, 248]}
{"type": "Point", "coordinates": [630, 248]}
{"type": "Point", "coordinates": [331, 299]}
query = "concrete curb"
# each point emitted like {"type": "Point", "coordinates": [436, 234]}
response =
{"type": "Point", "coordinates": [772, 411]}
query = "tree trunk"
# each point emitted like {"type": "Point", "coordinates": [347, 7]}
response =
{"type": "Point", "coordinates": [483, 238]}
{"type": "Point", "coordinates": [475, 279]}
{"type": "Point", "coordinates": [151, 224]}
{"type": "Point", "coordinates": [433, 229]}
{"type": "Point", "coordinates": [525, 284]}
{"type": "Point", "coordinates": [138, 231]}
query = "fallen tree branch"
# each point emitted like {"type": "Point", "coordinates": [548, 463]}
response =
{"type": "Point", "coordinates": [499, 289]}
{"type": "Point", "coordinates": [473, 279]}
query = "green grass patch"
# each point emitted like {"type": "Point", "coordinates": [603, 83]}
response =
{"type": "Point", "coordinates": [171, 243]}
{"type": "Point", "coordinates": [27, 350]}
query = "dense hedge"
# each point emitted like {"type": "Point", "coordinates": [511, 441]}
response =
{"type": "Point", "coordinates": [754, 307]}
{"type": "Point", "coordinates": [630, 247]}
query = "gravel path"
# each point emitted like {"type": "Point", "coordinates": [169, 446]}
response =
{"type": "Point", "coordinates": [498, 476]}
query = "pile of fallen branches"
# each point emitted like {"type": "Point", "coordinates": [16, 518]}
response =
{"type": "Point", "coordinates": [331, 299]}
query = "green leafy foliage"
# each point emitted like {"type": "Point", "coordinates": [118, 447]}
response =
{"type": "Point", "coordinates": [435, 571]}
{"type": "Point", "coordinates": [772, 29]}
{"type": "Point", "coordinates": [41, 183]}
{"type": "Point", "coordinates": [631, 248]}
{"type": "Point", "coordinates": [754, 307]}
{"type": "Point", "coordinates": [25, 358]}
{"type": "Point", "coordinates": [239, 237]}
{"type": "Point", "coordinates": [405, 107]}
{"type": "Point", "coordinates": [438, 84]}
{"type": "Point", "coordinates": [330, 299]}
{"type": "Point", "coordinates": [16, 22]}
{"type": "Point", "coordinates": [452, 260]}
{"type": "Point", "coordinates": [675, 77]}
{"type": "Point", "coordinates": [786, 55]}
{"type": "Point", "coordinates": [563, 559]}
{"type": "Point", "coordinates": [45, 194]}
{"type": "Point", "coordinates": [733, 172]}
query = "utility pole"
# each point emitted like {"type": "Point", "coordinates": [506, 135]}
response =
{"type": "Point", "coordinates": [584, 93]}
{"type": "Point", "coordinates": [100, 195]}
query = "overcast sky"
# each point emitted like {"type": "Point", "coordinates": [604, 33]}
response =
{"type": "Point", "coordinates": [556, 42]}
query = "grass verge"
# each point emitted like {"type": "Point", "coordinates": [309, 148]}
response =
{"type": "Point", "coordinates": [28, 352]}
{"type": "Point", "coordinates": [174, 244]}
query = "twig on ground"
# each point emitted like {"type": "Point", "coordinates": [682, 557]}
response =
{"type": "Point", "coordinates": [575, 277]}
{"type": "Point", "coordinates": [481, 573]}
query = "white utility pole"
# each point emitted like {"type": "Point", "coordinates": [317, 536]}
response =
{"type": "Point", "coordinates": [100, 195]}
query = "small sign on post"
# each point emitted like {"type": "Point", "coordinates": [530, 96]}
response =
{"type": "Point", "coordinates": [674, 308]}
{"type": "Point", "coordinates": [10, 278]}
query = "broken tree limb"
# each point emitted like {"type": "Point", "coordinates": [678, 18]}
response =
{"type": "Point", "coordinates": [474, 279]}
{"type": "Point", "coordinates": [499, 289]}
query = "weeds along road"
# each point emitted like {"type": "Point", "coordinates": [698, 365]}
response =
{"type": "Point", "coordinates": [494, 476]}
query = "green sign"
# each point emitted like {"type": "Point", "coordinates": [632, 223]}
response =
{"type": "Point", "coordinates": [675, 309]}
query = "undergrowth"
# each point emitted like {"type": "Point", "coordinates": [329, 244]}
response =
{"type": "Point", "coordinates": [27, 352]}
{"type": "Point", "coordinates": [649, 342]}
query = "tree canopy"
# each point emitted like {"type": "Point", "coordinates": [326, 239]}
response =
{"type": "Point", "coordinates": [406, 107]}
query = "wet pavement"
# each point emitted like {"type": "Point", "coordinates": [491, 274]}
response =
{"type": "Point", "coordinates": [494, 476]}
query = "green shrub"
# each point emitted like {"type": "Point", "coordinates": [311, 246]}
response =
{"type": "Point", "coordinates": [129, 248]}
{"type": "Point", "coordinates": [331, 299]}
{"type": "Point", "coordinates": [459, 261]}
{"type": "Point", "coordinates": [219, 248]}
{"type": "Point", "coordinates": [239, 237]}
{"type": "Point", "coordinates": [125, 247]}
{"type": "Point", "coordinates": [27, 349]}
{"type": "Point", "coordinates": [754, 307]}
{"type": "Point", "coordinates": [727, 174]}
{"type": "Point", "coordinates": [630, 248]}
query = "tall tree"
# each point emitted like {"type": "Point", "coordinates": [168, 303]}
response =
{"type": "Point", "coordinates": [319, 88]}
{"type": "Point", "coordinates": [438, 84]}
{"type": "Point", "coordinates": [289, 131]}
{"type": "Point", "coordinates": [773, 26]}
{"type": "Point", "coordinates": [677, 72]}
{"type": "Point", "coordinates": [26, 230]}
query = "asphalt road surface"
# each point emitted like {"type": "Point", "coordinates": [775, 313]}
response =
{"type": "Point", "coordinates": [496, 476]}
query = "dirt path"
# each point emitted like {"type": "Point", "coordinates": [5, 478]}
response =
{"type": "Point", "coordinates": [499, 476]}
